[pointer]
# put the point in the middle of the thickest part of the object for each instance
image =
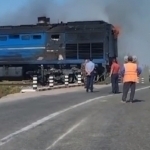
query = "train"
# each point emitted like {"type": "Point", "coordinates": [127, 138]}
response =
{"type": "Point", "coordinates": [57, 49]}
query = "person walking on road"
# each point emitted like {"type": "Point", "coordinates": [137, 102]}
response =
{"type": "Point", "coordinates": [114, 74]}
{"type": "Point", "coordinates": [89, 68]}
{"type": "Point", "coordinates": [130, 73]}
{"type": "Point", "coordinates": [83, 72]}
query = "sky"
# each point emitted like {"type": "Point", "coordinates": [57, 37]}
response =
{"type": "Point", "coordinates": [14, 5]}
{"type": "Point", "coordinates": [10, 5]}
{"type": "Point", "coordinates": [10, 10]}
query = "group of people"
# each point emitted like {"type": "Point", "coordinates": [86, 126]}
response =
{"type": "Point", "coordinates": [129, 72]}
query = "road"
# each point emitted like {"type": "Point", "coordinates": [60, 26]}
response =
{"type": "Point", "coordinates": [77, 121]}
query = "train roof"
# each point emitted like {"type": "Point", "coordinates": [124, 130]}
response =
{"type": "Point", "coordinates": [80, 26]}
{"type": "Point", "coordinates": [23, 29]}
{"type": "Point", "coordinates": [58, 27]}
{"type": "Point", "coordinates": [94, 22]}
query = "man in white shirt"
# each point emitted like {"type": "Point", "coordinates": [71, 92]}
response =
{"type": "Point", "coordinates": [89, 68]}
{"type": "Point", "coordinates": [83, 71]}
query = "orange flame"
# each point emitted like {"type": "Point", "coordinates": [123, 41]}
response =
{"type": "Point", "coordinates": [116, 30]}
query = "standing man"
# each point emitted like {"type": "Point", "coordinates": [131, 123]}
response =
{"type": "Point", "coordinates": [89, 68]}
{"type": "Point", "coordinates": [83, 71]}
{"type": "Point", "coordinates": [130, 73]}
{"type": "Point", "coordinates": [114, 74]}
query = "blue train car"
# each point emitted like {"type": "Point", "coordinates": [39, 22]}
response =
{"type": "Point", "coordinates": [21, 43]}
{"type": "Point", "coordinates": [59, 47]}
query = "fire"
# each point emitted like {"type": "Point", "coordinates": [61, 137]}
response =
{"type": "Point", "coordinates": [116, 30]}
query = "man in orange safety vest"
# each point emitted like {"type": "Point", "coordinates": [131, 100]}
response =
{"type": "Point", "coordinates": [130, 73]}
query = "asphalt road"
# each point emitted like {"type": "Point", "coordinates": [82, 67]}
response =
{"type": "Point", "coordinates": [77, 121]}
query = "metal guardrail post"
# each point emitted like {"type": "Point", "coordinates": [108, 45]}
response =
{"type": "Point", "coordinates": [138, 80]}
{"type": "Point", "coordinates": [51, 81]}
{"type": "Point", "coordinates": [142, 80]}
{"type": "Point", "coordinates": [79, 79]}
{"type": "Point", "coordinates": [66, 80]}
{"type": "Point", "coordinates": [119, 79]}
{"type": "Point", "coordinates": [35, 82]}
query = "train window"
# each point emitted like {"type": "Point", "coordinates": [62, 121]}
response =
{"type": "Point", "coordinates": [36, 36]}
{"type": "Point", "coordinates": [25, 37]}
{"type": "Point", "coordinates": [3, 38]}
{"type": "Point", "coordinates": [14, 36]}
{"type": "Point", "coordinates": [56, 36]}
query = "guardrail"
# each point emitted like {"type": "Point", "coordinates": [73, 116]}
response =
{"type": "Point", "coordinates": [51, 84]}
{"type": "Point", "coordinates": [59, 87]}
{"type": "Point", "coordinates": [34, 86]}
{"type": "Point", "coordinates": [51, 81]}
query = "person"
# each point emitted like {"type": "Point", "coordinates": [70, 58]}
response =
{"type": "Point", "coordinates": [130, 73]}
{"type": "Point", "coordinates": [125, 59]}
{"type": "Point", "coordinates": [134, 59]}
{"type": "Point", "coordinates": [83, 72]}
{"type": "Point", "coordinates": [114, 74]}
{"type": "Point", "coordinates": [136, 62]}
{"type": "Point", "coordinates": [89, 68]}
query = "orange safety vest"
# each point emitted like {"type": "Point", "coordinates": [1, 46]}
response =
{"type": "Point", "coordinates": [130, 72]}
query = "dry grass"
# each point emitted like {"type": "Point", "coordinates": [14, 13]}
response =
{"type": "Point", "coordinates": [5, 90]}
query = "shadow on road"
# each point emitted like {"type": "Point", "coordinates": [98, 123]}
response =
{"type": "Point", "coordinates": [119, 93]}
{"type": "Point", "coordinates": [96, 91]}
{"type": "Point", "coordinates": [137, 100]}
{"type": "Point", "coordinates": [115, 93]}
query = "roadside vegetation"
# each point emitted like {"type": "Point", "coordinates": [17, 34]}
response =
{"type": "Point", "coordinates": [12, 87]}
{"type": "Point", "coordinates": [9, 89]}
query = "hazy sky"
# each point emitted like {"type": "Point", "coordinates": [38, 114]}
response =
{"type": "Point", "coordinates": [9, 5]}
{"type": "Point", "coordinates": [12, 6]}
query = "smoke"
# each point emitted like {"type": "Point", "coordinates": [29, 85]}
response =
{"type": "Point", "coordinates": [28, 13]}
{"type": "Point", "coordinates": [67, 10]}
{"type": "Point", "coordinates": [131, 15]}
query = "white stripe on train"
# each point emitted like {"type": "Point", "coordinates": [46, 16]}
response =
{"type": "Point", "coordinates": [22, 48]}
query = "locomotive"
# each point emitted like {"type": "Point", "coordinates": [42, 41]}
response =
{"type": "Point", "coordinates": [56, 49]}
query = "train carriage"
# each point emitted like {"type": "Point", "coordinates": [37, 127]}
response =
{"type": "Point", "coordinates": [57, 49]}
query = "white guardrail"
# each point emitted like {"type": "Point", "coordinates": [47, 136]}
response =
{"type": "Point", "coordinates": [51, 84]}
{"type": "Point", "coordinates": [65, 85]}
